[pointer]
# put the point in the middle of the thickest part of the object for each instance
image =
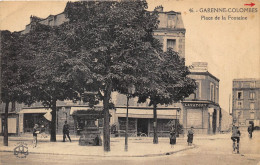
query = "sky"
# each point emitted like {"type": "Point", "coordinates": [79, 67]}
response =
{"type": "Point", "coordinates": [230, 47]}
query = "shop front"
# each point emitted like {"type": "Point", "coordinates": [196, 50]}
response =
{"type": "Point", "coordinates": [141, 121]}
{"type": "Point", "coordinates": [203, 116]}
{"type": "Point", "coordinates": [12, 123]}
{"type": "Point", "coordinates": [29, 117]}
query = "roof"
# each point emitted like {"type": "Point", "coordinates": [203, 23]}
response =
{"type": "Point", "coordinates": [205, 73]}
{"type": "Point", "coordinates": [247, 79]}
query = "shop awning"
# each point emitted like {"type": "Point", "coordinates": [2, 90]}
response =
{"type": "Point", "coordinates": [147, 113]}
{"type": "Point", "coordinates": [73, 109]}
{"type": "Point", "coordinates": [35, 110]}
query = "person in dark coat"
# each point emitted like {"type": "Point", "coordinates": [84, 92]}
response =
{"type": "Point", "coordinates": [96, 140]}
{"type": "Point", "coordinates": [250, 130]}
{"type": "Point", "coordinates": [66, 131]}
{"type": "Point", "coordinates": [190, 136]}
{"type": "Point", "coordinates": [173, 136]}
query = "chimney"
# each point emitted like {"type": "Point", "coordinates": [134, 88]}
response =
{"type": "Point", "coordinates": [159, 8]}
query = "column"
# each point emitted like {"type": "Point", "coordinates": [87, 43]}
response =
{"type": "Point", "coordinates": [210, 126]}
{"type": "Point", "coordinates": [217, 121]}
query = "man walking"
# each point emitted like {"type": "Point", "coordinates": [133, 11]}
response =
{"type": "Point", "coordinates": [66, 131]}
{"type": "Point", "coordinates": [250, 130]}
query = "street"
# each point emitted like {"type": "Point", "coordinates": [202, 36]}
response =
{"type": "Point", "coordinates": [214, 150]}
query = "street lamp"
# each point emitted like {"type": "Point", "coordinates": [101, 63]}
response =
{"type": "Point", "coordinates": [131, 90]}
{"type": "Point", "coordinates": [177, 112]}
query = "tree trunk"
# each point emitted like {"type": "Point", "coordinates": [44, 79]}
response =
{"type": "Point", "coordinates": [155, 136]}
{"type": "Point", "coordinates": [106, 128]}
{"type": "Point", "coordinates": [53, 121]}
{"type": "Point", "coordinates": [6, 124]}
{"type": "Point", "coordinates": [126, 126]}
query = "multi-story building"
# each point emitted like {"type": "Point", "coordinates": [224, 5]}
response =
{"type": "Point", "coordinates": [200, 110]}
{"type": "Point", "coordinates": [246, 102]}
{"type": "Point", "coordinates": [171, 31]}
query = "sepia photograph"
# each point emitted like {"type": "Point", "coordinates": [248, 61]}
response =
{"type": "Point", "coordinates": [130, 82]}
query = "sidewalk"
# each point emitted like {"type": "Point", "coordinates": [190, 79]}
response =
{"type": "Point", "coordinates": [137, 147]}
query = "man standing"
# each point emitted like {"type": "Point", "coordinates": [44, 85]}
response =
{"type": "Point", "coordinates": [35, 132]}
{"type": "Point", "coordinates": [66, 131]}
{"type": "Point", "coordinates": [250, 130]}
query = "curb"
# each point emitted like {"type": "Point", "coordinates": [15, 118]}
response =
{"type": "Point", "coordinates": [147, 155]}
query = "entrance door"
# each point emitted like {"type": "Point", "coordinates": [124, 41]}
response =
{"type": "Point", "coordinates": [142, 126]}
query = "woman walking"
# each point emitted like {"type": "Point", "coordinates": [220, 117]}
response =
{"type": "Point", "coordinates": [190, 136]}
{"type": "Point", "coordinates": [172, 136]}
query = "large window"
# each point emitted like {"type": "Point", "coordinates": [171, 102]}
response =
{"type": "Point", "coordinates": [252, 106]}
{"type": "Point", "coordinates": [217, 93]}
{"type": "Point", "coordinates": [197, 92]}
{"type": "Point", "coordinates": [171, 43]}
{"type": "Point", "coordinates": [239, 104]}
{"type": "Point", "coordinates": [239, 95]}
{"type": "Point", "coordinates": [252, 84]}
{"type": "Point", "coordinates": [252, 115]}
{"type": "Point", "coordinates": [171, 22]}
{"type": "Point", "coordinates": [252, 95]}
{"type": "Point", "coordinates": [212, 98]}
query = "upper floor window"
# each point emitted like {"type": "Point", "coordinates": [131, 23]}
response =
{"type": "Point", "coordinates": [171, 22]}
{"type": "Point", "coordinates": [217, 93]}
{"type": "Point", "coordinates": [252, 106]}
{"type": "Point", "coordinates": [252, 95]}
{"type": "Point", "coordinates": [171, 43]}
{"type": "Point", "coordinates": [252, 115]}
{"type": "Point", "coordinates": [239, 104]}
{"type": "Point", "coordinates": [239, 95]}
{"type": "Point", "coordinates": [212, 92]}
{"type": "Point", "coordinates": [197, 92]}
{"type": "Point", "coordinates": [252, 84]}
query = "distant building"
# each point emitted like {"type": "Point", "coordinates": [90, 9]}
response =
{"type": "Point", "coordinates": [246, 101]}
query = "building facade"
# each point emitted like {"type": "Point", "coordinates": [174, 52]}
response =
{"type": "Point", "coordinates": [201, 109]}
{"type": "Point", "coordinates": [246, 102]}
{"type": "Point", "coordinates": [171, 31]}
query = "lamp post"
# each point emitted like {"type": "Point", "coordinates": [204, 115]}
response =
{"type": "Point", "coordinates": [131, 90]}
{"type": "Point", "coordinates": [177, 112]}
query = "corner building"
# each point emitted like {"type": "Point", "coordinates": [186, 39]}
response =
{"type": "Point", "coordinates": [246, 102]}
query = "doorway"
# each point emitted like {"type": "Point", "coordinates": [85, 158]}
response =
{"type": "Point", "coordinates": [142, 126]}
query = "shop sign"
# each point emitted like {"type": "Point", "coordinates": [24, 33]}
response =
{"type": "Point", "coordinates": [195, 104]}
